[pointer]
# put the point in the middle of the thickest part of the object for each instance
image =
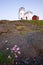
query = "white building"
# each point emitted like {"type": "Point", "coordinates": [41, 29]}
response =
{"type": "Point", "coordinates": [25, 15]}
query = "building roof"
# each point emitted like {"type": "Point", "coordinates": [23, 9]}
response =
{"type": "Point", "coordinates": [35, 15]}
{"type": "Point", "coordinates": [28, 12]}
{"type": "Point", "coordinates": [21, 8]}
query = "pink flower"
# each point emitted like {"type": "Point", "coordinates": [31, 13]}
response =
{"type": "Point", "coordinates": [16, 55]}
{"type": "Point", "coordinates": [6, 41]}
{"type": "Point", "coordinates": [9, 56]}
{"type": "Point", "coordinates": [19, 52]}
{"type": "Point", "coordinates": [15, 46]}
{"type": "Point", "coordinates": [7, 48]}
{"type": "Point", "coordinates": [18, 48]}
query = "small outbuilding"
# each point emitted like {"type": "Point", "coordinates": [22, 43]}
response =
{"type": "Point", "coordinates": [35, 17]}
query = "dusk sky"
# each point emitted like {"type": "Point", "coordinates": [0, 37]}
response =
{"type": "Point", "coordinates": [9, 8]}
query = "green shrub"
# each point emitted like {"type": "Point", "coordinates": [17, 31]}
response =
{"type": "Point", "coordinates": [22, 33]}
{"type": "Point", "coordinates": [4, 57]}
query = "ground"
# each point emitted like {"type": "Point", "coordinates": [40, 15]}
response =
{"type": "Point", "coordinates": [28, 35]}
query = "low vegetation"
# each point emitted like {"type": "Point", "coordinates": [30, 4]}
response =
{"type": "Point", "coordinates": [6, 60]}
{"type": "Point", "coordinates": [35, 22]}
{"type": "Point", "coordinates": [4, 57]}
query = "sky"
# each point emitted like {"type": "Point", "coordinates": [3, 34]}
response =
{"type": "Point", "coordinates": [9, 8]}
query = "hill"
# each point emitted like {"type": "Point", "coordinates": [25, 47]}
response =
{"type": "Point", "coordinates": [20, 26]}
{"type": "Point", "coordinates": [26, 34]}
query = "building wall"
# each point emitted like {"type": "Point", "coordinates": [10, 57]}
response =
{"type": "Point", "coordinates": [25, 15]}
{"type": "Point", "coordinates": [21, 14]}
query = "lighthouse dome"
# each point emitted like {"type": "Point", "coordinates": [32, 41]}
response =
{"type": "Point", "coordinates": [21, 8]}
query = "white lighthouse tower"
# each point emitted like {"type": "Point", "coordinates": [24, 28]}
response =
{"type": "Point", "coordinates": [21, 13]}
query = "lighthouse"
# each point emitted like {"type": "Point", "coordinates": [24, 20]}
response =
{"type": "Point", "coordinates": [21, 12]}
